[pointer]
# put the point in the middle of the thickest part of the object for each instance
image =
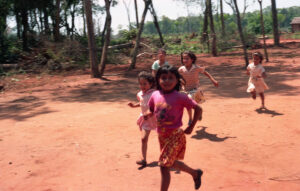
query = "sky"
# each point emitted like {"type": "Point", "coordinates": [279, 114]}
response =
{"type": "Point", "coordinates": [174, 9]}
{"type": "Point", "coordinates": [169, 8]}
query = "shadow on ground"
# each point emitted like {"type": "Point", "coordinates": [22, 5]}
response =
{"type": "Point", "coordinates": [267, 111]}
{"type": "Point", "coordinates": [202, 134]}
{"type": "Point", "coordinates": [23, 108]}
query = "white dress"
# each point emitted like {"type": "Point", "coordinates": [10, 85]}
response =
{"type": "Point", "coordinates": [149, 124]}
{"type": "Point", "coordinates": [256, 81]}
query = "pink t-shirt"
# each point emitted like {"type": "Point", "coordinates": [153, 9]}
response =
{"type": "Point", "coordinates": [168, 109]}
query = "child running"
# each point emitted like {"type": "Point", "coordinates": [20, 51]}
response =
{"type": "Point", "coordinates": [256, 83]}
{"type": "Point", "coordinates": [190, 73]}
{"type": "Point", "coordinates": [160, 62]}
{"type": "Point", "coordinates": [146, 82]}
{"type": "Point", "coordinates": [167, 104]}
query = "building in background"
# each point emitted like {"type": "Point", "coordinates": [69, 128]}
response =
{"type": "Point", "coordinates": [295, 24]}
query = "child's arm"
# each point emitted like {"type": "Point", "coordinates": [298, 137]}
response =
{"type": "Point", "coordinates": [133, 105]}
{"type": "Point", "coordinates": [154, 73]}
{"type": "Point", "coordinates": [130, 104]}
{"type": "Point", "coordinates": [147, 115]}
{"type": "Point", "coordinates": [215, 82]}
{"type": "Point", "coordinates": [197, 115]}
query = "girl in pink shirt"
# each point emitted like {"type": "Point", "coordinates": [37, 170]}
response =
{"type": "Point", "coordinates": [146, 82]}
{"type": "Point", "coordinates": [167, 104]}
{"type": "Point", "coordinates": [190, 73]}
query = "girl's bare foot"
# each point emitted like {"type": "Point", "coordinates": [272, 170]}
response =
{"type": "Point", "coordinates": [262, 107]}
{"type": "Point", "coordinates": [141, 162]}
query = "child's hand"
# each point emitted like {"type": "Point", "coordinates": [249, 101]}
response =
{"type": "Point", "coordinates": [130, 104]}
{"type": "Point", "coordinates": [188, 130]}
{"type": "Point", "coordinates": [216, 83]}
{"type": "Point", "coordinates": [147, 115]}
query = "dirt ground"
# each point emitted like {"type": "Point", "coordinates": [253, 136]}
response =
{"type": "Point", "coordinates": [69, 132]}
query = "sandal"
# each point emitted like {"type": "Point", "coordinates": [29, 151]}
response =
{"type": "Point", "coordinates": [197, 180]}
{"type": "Point", "coordinates": [141, 162]}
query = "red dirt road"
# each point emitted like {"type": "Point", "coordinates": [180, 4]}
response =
{"type": "Point", "coordinates": [73, 133]}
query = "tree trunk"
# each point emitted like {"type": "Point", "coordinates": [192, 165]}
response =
{"type": "Point", "coordinates": [3, 25]}
{"type": "Point", "coordinates": [136, 14]}
{"type": "Point", "coordinates": [57, 21]}
{"type": "Point", "coordinates": [212, 30]}
{"type": "Point", "coordinates": [205, 27]}
{"type": "Point", "coordinates": [138, 38]}
{"type": "Point", "coordinates": [222, 18]}
{"type": "Point", "coordinates": [84, 24]}
{"type": "Point", "coordinates": [24, 15]}
{"type": "Point", "coordinates": [241, 32]}
{"type": "Point", "coordinates": [91, 39]}
{"type": "Point", "coordinates": [263, 30]}
{"type": "Point", "coordinates": [128, 15]}
{"type": "Point", "coordinates": [35, 20]}
{"type": "Point", "coordinates": [66, 23]}
{"type": "Point", "coordinates": [46, 21]}
{"type": "Point", "coordinates": [275, 24]}
{"type": "Point", "coordinates": [103, 33]}
{"type": "Point", "coordinates": [41, 20]}
{"type": "Point", "coordinates": [73, 21]}
{"type": "Point", "coordinates": [107, 37]}
{"type": "Point", "coordinates": [151, 8]}
{"type": "Point", "coordinates": [18, 21]}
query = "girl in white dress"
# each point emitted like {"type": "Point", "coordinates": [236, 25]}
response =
{"type": "Point", "coordinates": [256, 83]}
{"type": "Point", "coordinates": [146, 82]}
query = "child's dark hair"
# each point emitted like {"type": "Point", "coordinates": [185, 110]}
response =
{"type": "Point", "coordinates": [147, 76]}
{"type": "Point", "coordinates": [161, 50]}
{"type": "Point", "coordinates": [261, 57]}
{"type": "Point", "coordinates": [166, 69]}
{"type": "Point", "coordinates": [190, 54]}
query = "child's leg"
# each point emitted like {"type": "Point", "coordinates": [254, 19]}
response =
{"type": "Point", "coordinates": [196, 174]}
{"type": "Point", "coordinates": [144, 139]}
{"type": "Point", "coordinates": [253, 93]}
{"type": "Point", "coordinates": [262, 96]}
{"type": "Point", "coordinates": [185, 168]}
{"type": "Point", "coordinates": [190, 115]}
{"type": "Point", "coordinates": [165, 178]}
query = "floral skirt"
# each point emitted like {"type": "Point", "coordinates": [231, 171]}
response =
{"type": "Point", "coordinates": [172, 147]}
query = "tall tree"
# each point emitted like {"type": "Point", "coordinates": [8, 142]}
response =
{"type": "Point", "coordinates": [212, 29]}
{"type": "Point", "coordinates": [222, 18]}
{"type": "Point", "coordinates": [24, 15]}
{"type": "Point", "coordinates": [263, 29]}
{"type": "Point", "coordinates": [91, 39]}
{"type": "Point", "coordinates": [4, 10]}
{"type": "Point", "coordinates": [233, 4]}
{"type": "Point", "coordinates": [107, 37]}
{"type": "Point", "coordinates": [136, 13]}
{"type": "Point", "coordinates": [205, 37]}
{"type": "Point", "coordinates": [275, 24]}
{"type": "Point", "coordinates": [128, 13]}
{"type": "Point", "coordinates": [152, 11]}
{"type": "Point", "coordinates": [138, 38]}
{"type": "Point", "coordinates": [57, 21]}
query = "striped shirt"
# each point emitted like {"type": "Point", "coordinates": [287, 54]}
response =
{"type": "Point", "coordinates": [191, 76]}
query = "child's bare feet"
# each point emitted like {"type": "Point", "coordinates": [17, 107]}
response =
{"type": "Point", "coordinates": [197, 180]}
{"type": "Point", "coordinates": [262, 107]}
{"type": "Point", "coordinates": [141, 162]}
